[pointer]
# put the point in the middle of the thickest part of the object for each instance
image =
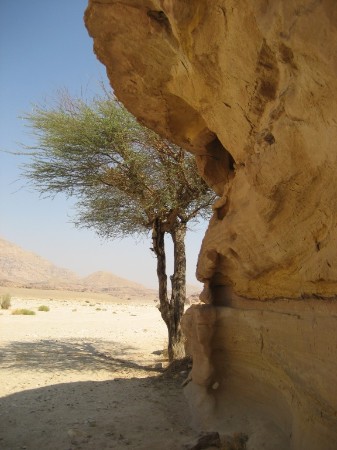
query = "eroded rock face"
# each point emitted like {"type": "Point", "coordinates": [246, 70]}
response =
{"type": "Point", "coordinates": [268, 370]}
{"type": "Point", "coordinates": [250, 87]}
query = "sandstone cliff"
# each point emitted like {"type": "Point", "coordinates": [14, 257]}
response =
{"type": "Point", "coordinates": [250, 88]}
{"type": "Point", "coordinates": [267, 370]}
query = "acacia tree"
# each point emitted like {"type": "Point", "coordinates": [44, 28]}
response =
{"type": "Point", "coordinates": [127, 181]}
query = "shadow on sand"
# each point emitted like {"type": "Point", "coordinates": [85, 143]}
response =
{"type": "Point", "coordinates": [132, 409]}
{"type": "Point", "coordinates": [137, 413]}
{"type": "Point", "coordinates": [69, 354]}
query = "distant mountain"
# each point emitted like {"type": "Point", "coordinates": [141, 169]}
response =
{"type": "Point", "coordinates": [21, 268]}
{"type": "Point", "coordinates": [26, 269]}
{"type": "Point", "coordinates": [107, 282]}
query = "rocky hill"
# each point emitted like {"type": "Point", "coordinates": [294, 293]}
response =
{"type": "Point", "coordinates": [119, 287]}
{"type": "Point", "coordinates": [21, 268]}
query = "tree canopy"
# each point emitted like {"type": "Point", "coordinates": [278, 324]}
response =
{"type": "Point", "coordinates": [127, 181]}
{"type": "Point", "coordinates": [123, 174]}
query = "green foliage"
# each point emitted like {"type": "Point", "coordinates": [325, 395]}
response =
{"type": "Point", "coordinates": [23, 312]}
{"type": "Point", "coordinates": [124, 175]}
{"type": "Point", "coordinates": [43, 308]}
{"type": "Point", "coordinates": [127, 181]}
{"type": "Point", "coordinates": [5, 301]}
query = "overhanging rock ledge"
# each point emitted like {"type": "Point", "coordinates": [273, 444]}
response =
{"type": "Point", "coordinates": [250, 87]}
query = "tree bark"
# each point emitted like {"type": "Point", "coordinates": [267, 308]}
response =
{"type": "Point", "coordinates": [158, 243]}
{"type": "Point", "coordinates": [176, 348]}
{"type": "Point", "coordinates": [173, 309]}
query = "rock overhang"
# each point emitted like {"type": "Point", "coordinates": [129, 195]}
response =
{"type": "Point", "coordinates": [250, 89]}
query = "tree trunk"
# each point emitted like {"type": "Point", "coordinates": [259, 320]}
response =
{"type": "Point", "coordinates": [178, 296]}
{"type": "Point", "coordinates": [171, 311]}
{"type": "Point", "coordinates": [158, 243]}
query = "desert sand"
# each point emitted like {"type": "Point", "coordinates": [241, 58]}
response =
{"type": "Point", "coordinates": [88, 374]}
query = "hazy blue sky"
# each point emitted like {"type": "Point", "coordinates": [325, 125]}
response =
{"type": "Point", "coordinates": [44, 46]}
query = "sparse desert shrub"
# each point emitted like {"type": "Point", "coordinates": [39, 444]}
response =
{"type": "Point", "coordinates": [23, 312]}
{"type": "Point", "coordinates": [43, 308]}
{"type": "Point", "coordinates": [6, 301]}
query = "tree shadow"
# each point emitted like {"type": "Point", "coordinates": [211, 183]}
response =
{"type": "Point", "coordinates": [137, 413]}
{"type": "Point", "coordinates": [141, 409]}
{"type": "Point", "coordinates": [69, 354]}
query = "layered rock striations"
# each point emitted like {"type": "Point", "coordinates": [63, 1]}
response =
{"type": "Point", "coordinates": [267, 370]}
{"type": "Point", "coordinates": [250, 87]}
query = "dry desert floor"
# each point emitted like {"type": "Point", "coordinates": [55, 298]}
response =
{"type": "Point", "coordinates": [87, 375]}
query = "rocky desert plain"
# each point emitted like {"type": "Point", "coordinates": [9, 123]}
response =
{"type": "Point", "coordinates": [89, 373]}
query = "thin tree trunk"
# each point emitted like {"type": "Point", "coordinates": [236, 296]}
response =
{"type": "Point", "coordinates": [173, 310]}
{"type": "Point", "coordinates": [178, 296]}
{"type": "Point", "coordinates": [158, 243]}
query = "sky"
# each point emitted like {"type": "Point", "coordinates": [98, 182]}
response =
{"type": "Point", "coordinates": [44, 47]}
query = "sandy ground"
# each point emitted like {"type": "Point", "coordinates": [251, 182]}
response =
{"type": "Point", "coordinates": [86, 375]}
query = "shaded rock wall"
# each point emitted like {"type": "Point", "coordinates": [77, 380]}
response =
{"type": "Point", "coordinates": [250, 87]}
{"type": "Point", "coordinates": [267, 370]}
